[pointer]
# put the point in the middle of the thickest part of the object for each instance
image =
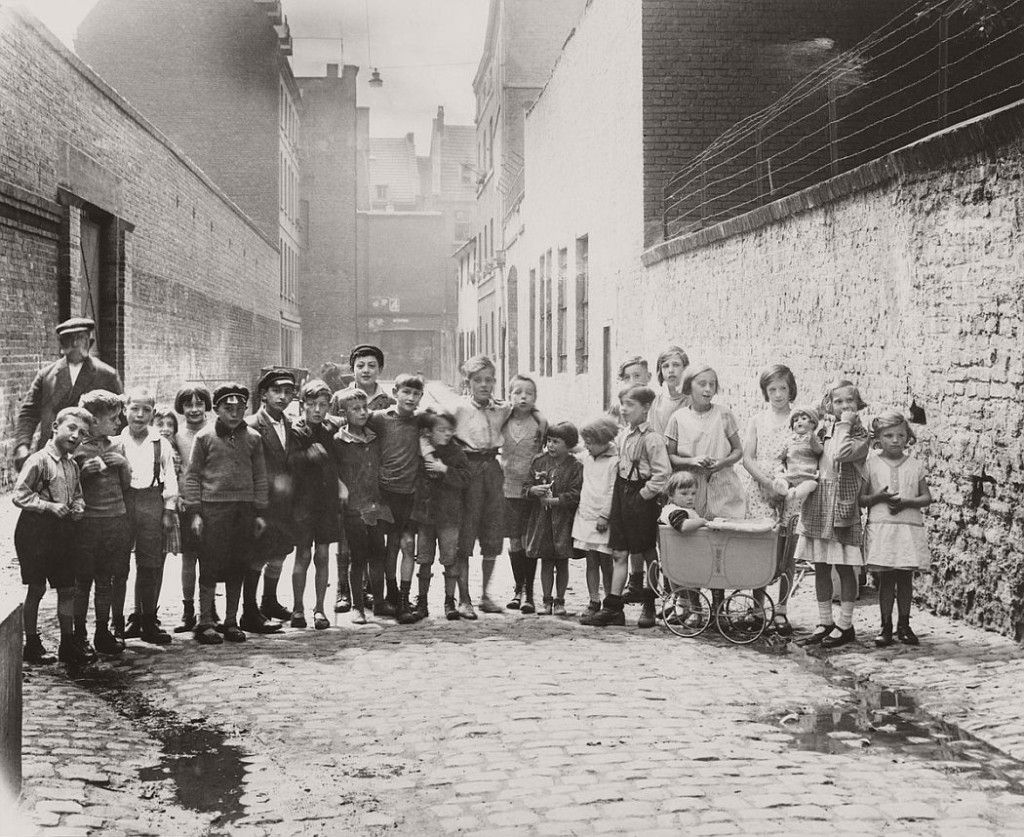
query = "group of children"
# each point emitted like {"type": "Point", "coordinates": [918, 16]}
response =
{"type": "Point", "coordinates": [396, 487]}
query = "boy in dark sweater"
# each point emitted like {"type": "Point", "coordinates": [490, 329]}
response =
{"type": "Point", "coordinates": [316, 506]}
{"type": "Point", "coordinates": [104, 551]}
{"type": "Point", "coordinates": [357, 452]}
{"type": "Point", "coordinates": [225, 497]}
{"type": "Point", "coordinates": [437, 511]}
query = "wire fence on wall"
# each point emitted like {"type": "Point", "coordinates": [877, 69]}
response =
{"type": "Point", "coordinates": [938, 63]}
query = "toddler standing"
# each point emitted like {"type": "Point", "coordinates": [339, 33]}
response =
{"type": "Point", "coordinates": [590, 528]}
{"type": "Point", "coordinates": [554, 489]}
{"type": "Point", "coordinates": [895, 542]}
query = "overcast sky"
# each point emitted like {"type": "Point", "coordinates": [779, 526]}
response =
{"type": "Point", "coordinates": [427, 52]}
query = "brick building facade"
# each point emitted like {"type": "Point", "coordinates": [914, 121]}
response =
{"type": "Point", "coordinates": [215, 78]}
{"type": "Point", "coordinates": [101, 214]}
{"type": "Point", "coordinates": [328, 160]}
{"type": "Point", "coordinates": [522, 43]}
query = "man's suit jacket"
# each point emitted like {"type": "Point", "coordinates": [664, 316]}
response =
{"type": "Point", "coordinates": [279, 478]}
{"type": "Point", "coordinates": [52, 391]}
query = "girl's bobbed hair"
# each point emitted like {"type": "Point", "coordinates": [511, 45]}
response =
{"type": "Point", "coordinates": [692, 372]}
{"type": "Point", "coordinates": [165, 411]}
{"type": "Point", "coordinates": [778, 372]}
{"type": "Point", "coordinates": [567, 432]}
{"type": "Point", "coordinates": [840, 383]}
{"type": "Point", "coordinates": [891, 418]}
{"type": "Point", "coordinates": [188, 394]}
{"type": "Point", "coordinates": [671, 351]}
{"type": "Point", "coordinates": [600, 430]}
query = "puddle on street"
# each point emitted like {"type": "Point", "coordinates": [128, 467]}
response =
{"type": "Point", "coordinates": [208, 774]}
{"type": "Point", "coordinates": [884, 721]}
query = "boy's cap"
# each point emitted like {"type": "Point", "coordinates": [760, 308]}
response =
{"type": "Point", "coordinates": [74, 325]}
{"type": "Point", "coordinates": [363, 350]}
{"type": "Point", "coordinates": [275, 378]}
{"type": "Point", "coordinates": [232, 393]}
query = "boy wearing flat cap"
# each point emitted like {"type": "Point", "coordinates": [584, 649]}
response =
{"type": "Point", "coordinates": [61, 384]}
{"type": "Point", "coordinates": [275, 391]}
{"type": "Point", "coordinates": [225, 498]}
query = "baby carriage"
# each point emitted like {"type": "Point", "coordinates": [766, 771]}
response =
{"type": "Point", "coordinates": [737, 556]}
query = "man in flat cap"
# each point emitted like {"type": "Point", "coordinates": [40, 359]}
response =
{"type": "Point", "coordinates": [61, 384]}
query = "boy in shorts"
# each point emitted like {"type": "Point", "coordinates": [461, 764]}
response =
{"type": "Point", "coordinates": [479, 421]}
{"type": "Point", "coordinates": [642, 474]}
{"type": "Point", "coordinates": [49, 494]}
{"type": "Point", "coordinates": [398, 429]}
{"type": "Point", "coordinates": [152, 503]}
{"type": "Point", "coordinates": [225, 498]}
{"type": "Point", "coordinates": [103, 546]}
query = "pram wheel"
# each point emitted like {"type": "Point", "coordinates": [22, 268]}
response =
{"type": "Point", "coordinates": [741, 618]}
{"type": "Point", "coordinates": [655, 579]}
{"type": "Point", "coordinates": [686, 613]}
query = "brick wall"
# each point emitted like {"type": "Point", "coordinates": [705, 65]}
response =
{"type": "Point", "coordinates": [215, 94]}
{"type": "Point", "coordinates": [905, 277]}
{"type": "Point", "coordinates": [196, 282]}
{"type": "Point", "coordinates": [707, 65]}
{"type": "Point", "coordinates": [327, 289]}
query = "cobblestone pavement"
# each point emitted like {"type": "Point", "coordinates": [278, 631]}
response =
{"type": "Point", "coordinates": [523, 725]}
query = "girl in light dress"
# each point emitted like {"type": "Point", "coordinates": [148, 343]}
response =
{"type": "Point", "coordinates": [766, 434]}
{"type": "Point", "coordinates": [895, 542]}
{"type": "Point", "coordinates": [590, 528]}
{"type": "Point", "coordinates": [704, 438]}
{"type": "Point", "coordinates": [671, 369]}
{"type": "Point", "coordinates": [830, 530]}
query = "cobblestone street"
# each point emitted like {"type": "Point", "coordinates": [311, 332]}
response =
{"type": "Point", "coordinates": [525, 725]}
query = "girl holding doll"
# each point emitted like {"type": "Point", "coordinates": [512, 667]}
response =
{"type": "Point", "coordinates": [830, 529]}
{"type": "Point", "coordinates": [895, 542]}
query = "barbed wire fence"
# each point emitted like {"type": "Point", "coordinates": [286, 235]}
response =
{"type": "Point", "coordinates": [937, 63]}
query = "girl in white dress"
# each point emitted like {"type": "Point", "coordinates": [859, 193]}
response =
{"type": "Point", "coordinates": [590, 528]}
{"type": "Point", "coordinates": [895, 541]}
{"type": "Point", "coordinates": [766, 434]}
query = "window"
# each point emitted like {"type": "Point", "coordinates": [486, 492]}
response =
{"type": "Point", "coordinates": [548, 315]}
{"type": "Point", "coordinates": [563, 268]}
{"type": "Point", "coordinates": [582, 305]}
{"type": "Point", "coordinates": [382, 191]}
{"type": "Point", "coordinates": [289, 346]}
{"type": "Point", "coordinates": [512, 315]}
{"type": "Point", "coordinates": [533, 320]}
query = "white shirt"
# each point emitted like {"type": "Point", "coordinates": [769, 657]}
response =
{"type": "Point", "coordinates": [140, 457]}
{"type": "Point", "coordinates": [73, 370]}
{"type": "Point", "coordinates": [279, 429]}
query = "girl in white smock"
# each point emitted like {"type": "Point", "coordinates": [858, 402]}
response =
{"type": "Point", "coordinates": [895, 541]}
{"type": "Point", "coordinates": [704, 438]}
